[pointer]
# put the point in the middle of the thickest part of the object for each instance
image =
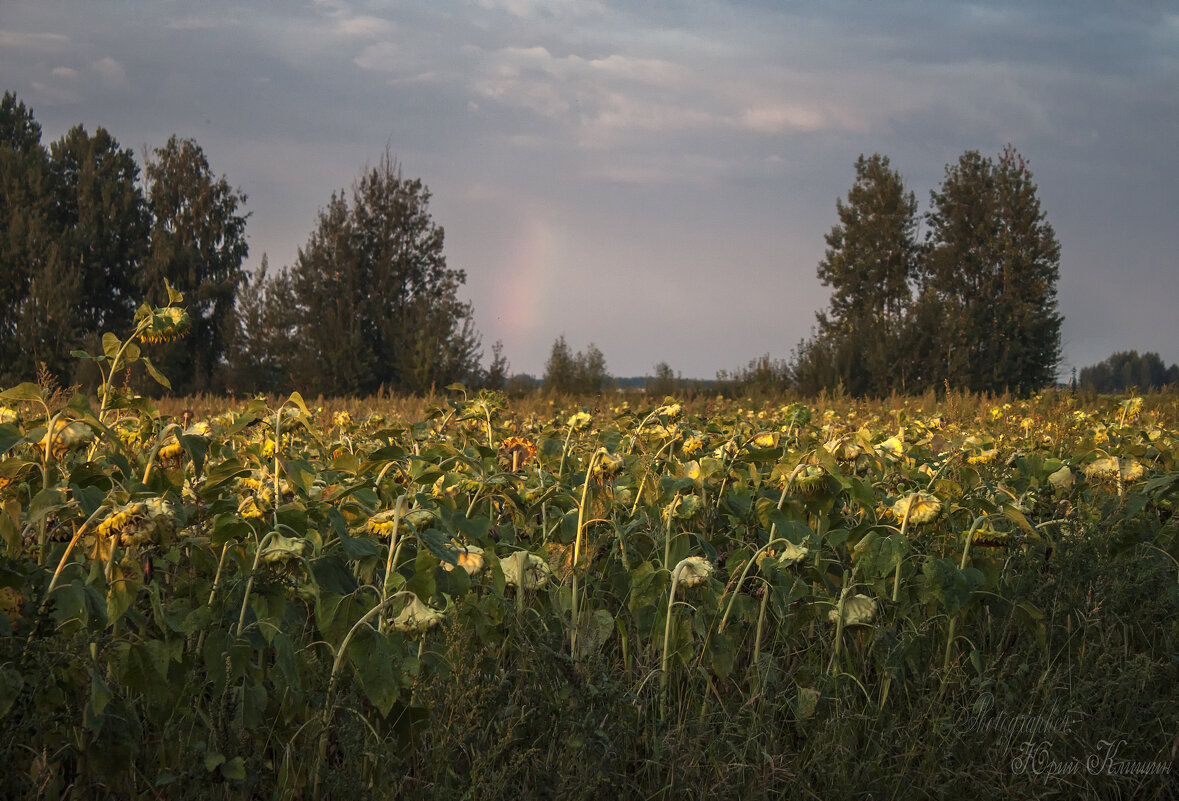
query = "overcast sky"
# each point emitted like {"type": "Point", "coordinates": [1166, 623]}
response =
{"type": "Point", "coordinates": [654, 177]}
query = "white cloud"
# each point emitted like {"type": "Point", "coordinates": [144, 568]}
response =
{"type": "Point", "coordinates": [534, 9]}
{"type": "Point", "coordinates": [27, 40]}
{"type": "Point", "coordinates": [364, 26]}
{"type": "Point", "coordinates": [110, 73]}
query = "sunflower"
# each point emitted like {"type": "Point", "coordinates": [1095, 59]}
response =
{"type": "Point", "coordinates": [381, 524]}
{"type": "Point", "coordinates": [139, 522]}
{"type": "Point", "coordinates": [858, 610]}
{"type": "Point", "coordinates": [67, 437]}
{"type": "Point", "coordinates": [580, 421]}
{"type": "Point", "coordinates": [10, 604]}
{"type": "Point", "coordinates": [417, 617]}
{"type": "Point", "coordinates": [811, 481]}
{"type": "Point", "coordinates": [164, 324]}
{"type": "Point", "coordinates": [470, 559]}
{"type": "Point", "coordinates": [516, 452]}
{"type": "Point", "coordinates": [1113, 468]}
{"type": "Point", "coordinates": [988, 537]}
{"type": "Point", "coordinates": [692, 572]}
{"type": "Point", "coordinates": [921, 507]}
{"type": "Point", "coordinates": [608, 465]}
{"type": "Point", "coordinates": [693, 444]}
{"type": "Point", "coordinates": [521, 568]}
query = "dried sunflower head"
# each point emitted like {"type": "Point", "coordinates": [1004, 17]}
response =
{"type": "Point", "coordinates": [921, 507]}
{"type": "Point", "coordinates": [608, 465]}
{"type": "Point", "coordinates": [417, 617]}
{"type": "Point", "coordinates": [692, 572]}
{"type": "Point", "coordinates": [858, 610]}
{"type": "Point", "coordinates": [1111, 468]}
{"type": "Point", "coordinates": [516, 452]}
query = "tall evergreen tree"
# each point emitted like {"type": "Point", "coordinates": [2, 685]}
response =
{"type": "Point", "coordinates": [105, 223]}
{"type": "Point", "coordinates": [560, 370]}
{"type": "Point", "coordinates": [73, 232]}
{"type": "Point", "coordinates": [26, 234]}
{"type": "Point", "coordinates": [377, 303]}
{"type": "Point", "coordinates": [988, 311]}
{"type": "Point", "coordinates": [198, 244]}
{"type": "Point", "coordinates": [871, 257]}
{"type": "Point", "coordinates": [260, 352]}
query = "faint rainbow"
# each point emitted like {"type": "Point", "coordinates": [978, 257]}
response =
{"type": "Point", "coordinates": [529, 291]}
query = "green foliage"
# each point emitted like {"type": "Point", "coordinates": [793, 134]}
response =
{"type": "Point", "coordinates": [280, 602]}
{"type": "Point", "coordinates": [79, 244]}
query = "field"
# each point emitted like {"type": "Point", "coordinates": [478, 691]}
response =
{"type": "Point", "coordinates": [471, 597]}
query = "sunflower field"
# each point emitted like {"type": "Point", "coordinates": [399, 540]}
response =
{"type": "Point", "coordinates": [471, 598]}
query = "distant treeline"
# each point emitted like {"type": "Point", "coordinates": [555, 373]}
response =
{"type": "Point", "coordinates": [370, 304]}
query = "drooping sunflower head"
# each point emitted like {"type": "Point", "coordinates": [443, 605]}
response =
{"type": "Point", "coordinates": [692, 572]}
{"type": "Point", "coordinates": [10, 604]}
{"type": "Point", "coordinates": [516, 452]}
{"type": "Point", "coordinates": [162, 324]}
{"type": "Point", "coordinates": [921, 507]}
{"type": "Point", "coordinates": [1113, 468]}
{"type": "Point", "coordinates": [811, 481]}
{"type": "Point", "coordinates": [381, 524]}
{"type": "Point", "coordinates": [67, 436]}
{"type": "Point", "coordinates": [608, 465]}
{"type": "Point", "coordinates": [417, 617]}
{"type": "Point", "coordinates": [580, 421]}
{"type": "Point", "coordinates": [987, 536]}
{"type": "Point", "coordinates": [766, 439]}
{"type": "Point", "coordinates": [470, 558]}
{"type": "Point", "coordinates": [139, 522]}
{"type": "Point", "coordinates": [858, 610]}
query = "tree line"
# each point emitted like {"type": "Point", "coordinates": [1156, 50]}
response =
{"type": "Point", "coordinates": [370, 303]}
{"type": "Point", "coordinates": [86, 236]}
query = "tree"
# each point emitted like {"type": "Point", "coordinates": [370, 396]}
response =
{"type": "Point", "coordinates": [377, 304]}
{"type": "Point", "coordinates": [560, 371]}
{"type": "Point", "coordinates": [497, 374]}
{"type": "Point", "coordinates": [105, 224]}
{"type": "Point", "coordinates": [871, 256]}
{"type": "Point", "coordinates": [198, 244]}
{"type": "Point", "coordinates": [592, 377]}
{"type": "Point", "coordinates": [25, 230]}
{"type": "Point", "coordinates": [261, 353]}
{"type": "Point", "coordinates": [663, 382]}
{"type": "Point", "coordinates": [988, 315]}
{"type": "Point", "coordinates": [581, 374]}
{"type": "Point", "coordinates": [73, 231]}
{"type": "Point", "coordinates": [1126, 369]}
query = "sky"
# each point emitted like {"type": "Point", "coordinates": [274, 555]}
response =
{"type": "Point", "coordinates": [653, 177]}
